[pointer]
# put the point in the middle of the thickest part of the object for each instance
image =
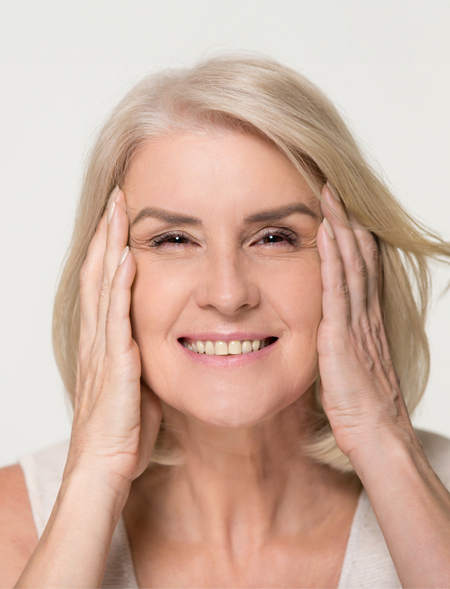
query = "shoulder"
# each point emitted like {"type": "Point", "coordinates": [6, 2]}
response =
{"type": "Point", "coordinates": [18, 535]}
{"type": "Point", "coordinates": [437, 449]}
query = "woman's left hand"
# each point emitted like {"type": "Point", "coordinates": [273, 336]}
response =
{"type": "Point", "coordinates": [359, 389]}
{"type": "Point", "coordinates": [361, 396]}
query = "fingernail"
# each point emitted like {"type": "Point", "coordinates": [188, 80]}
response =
{"type": "Point", "coordinates": [124, 255]}
{"type": "Point", "coordinates": [112, 203]}
{"type": "Point", "coordinates": [328, 227]}
{"type": "Point", "coordinates": [334, 192]}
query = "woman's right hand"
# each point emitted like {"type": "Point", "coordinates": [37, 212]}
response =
{"type": "Point", "coordinates": [115, 424]}
{"type": "Point", "coordinates": [116, 416]}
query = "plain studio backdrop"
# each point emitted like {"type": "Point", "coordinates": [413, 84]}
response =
{"type": "Point", "coordinates": [64, 65]}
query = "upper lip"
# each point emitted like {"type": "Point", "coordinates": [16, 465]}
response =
{"type": "Point", "coordinates": [225, 337]}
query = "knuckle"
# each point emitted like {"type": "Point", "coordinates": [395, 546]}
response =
{"type": "Point", "coordinates": [360, 266]}
{"type": "Point", "coordinates": [376, 321]}
{"type": "Point", "coordinates": [341, 289]}
{"type": "Point", "coordinates": [376, 331]}
{"type": "Point", "coordinates": [361, 348]}
{"type": "Point", "coordinates": [338, 289]}
{"type": "Point", "coordinates": [364, 326]}
{"type": "Point", "coordinates": [111, 318]}
{"type": "Point", "coordinates": [372, 252]}
{"type": "Point", "coordinates": [377, 326]}
{"type": "Point", "coordinates": [105, 290]}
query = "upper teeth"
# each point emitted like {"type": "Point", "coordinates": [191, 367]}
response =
{"type": "Point", "coordinates": [222, 348]}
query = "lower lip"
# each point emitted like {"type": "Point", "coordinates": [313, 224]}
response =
{"type": "Point", "coordinates": [230, 360]}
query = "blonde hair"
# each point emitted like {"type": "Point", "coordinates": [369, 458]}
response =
{"type": "Point", "coordinates": [258, 95]}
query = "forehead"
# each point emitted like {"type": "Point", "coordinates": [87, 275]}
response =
{"type": "Point", "coordinates": [197, 173]}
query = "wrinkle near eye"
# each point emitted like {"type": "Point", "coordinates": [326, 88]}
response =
{"type": "Point", "coordinates": [285, 239]}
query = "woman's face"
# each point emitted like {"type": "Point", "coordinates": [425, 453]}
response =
{"type": "Point", "coordinates": [237, 269]}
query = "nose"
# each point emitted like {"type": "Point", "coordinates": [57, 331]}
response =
{"type": "Point", "coordinates": [226, 284]}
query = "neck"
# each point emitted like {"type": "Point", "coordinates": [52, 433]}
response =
{"type": "Point", "coordinates": [241, 487]}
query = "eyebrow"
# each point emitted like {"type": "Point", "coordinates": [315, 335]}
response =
{"type": "Point", "coordinates": [280, 213]}
{"type": "Point", "coordinates": [263, 216]}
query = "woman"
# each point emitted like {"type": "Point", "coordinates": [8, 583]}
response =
{"type": "Point", "coordinates": [245, 249]}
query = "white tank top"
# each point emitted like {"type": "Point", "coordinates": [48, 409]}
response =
{"type": "Point", "coordinates": [367, 563]}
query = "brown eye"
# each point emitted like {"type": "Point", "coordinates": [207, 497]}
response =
{"type": "Point", "coordinates": [172, 238]}
{"type": "Point", "coordinates": [273, 238]}
{"type": "Point", "coordinates": [278, 236]}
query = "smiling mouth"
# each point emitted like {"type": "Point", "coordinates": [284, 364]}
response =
{"type": "Point", "coordinates": [223, 348]}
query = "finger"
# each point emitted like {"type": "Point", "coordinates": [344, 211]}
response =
{"type": "Point", "coordinates": [119, 338]}
{"type": "Point", "coordinates": [116, 240]}
{"type": "Point", "coordinates": [91, 278]}
{"type": "Point", "coordinates": [354, 265]}
{"type": "Point", "coordinates": [335, 301]}
{"type": "Point", "coordinates": [370, 251]}
{"type": "Point", "coordinates": [90, 283]}
{"type": "Point", "coordinates": [372, 255]}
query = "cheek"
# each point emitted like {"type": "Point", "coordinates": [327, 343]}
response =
{"type": "Point", "coordinates": [290, 300]}
{"type": "Point", "coordinates": [296, 293]}
{"type": "Point", "coordinates": [158, 295]}
{"type": "Point", "coordinates": [297, 297]}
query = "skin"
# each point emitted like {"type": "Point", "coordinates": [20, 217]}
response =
{"type": "Point", "coordinates": [244, 484]}
{"type": "Point", "coordinates": [223, 277]}
{"type": "Point", "coordinates": [246, 508]}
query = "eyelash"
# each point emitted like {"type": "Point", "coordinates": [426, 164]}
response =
{"type": "Point", "coordinates": [288, 235]}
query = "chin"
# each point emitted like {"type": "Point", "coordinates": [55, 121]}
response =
{"type": "Point", "coordinates": [232, 411]}
{"type": "Point", "coordinates": [234, 418]}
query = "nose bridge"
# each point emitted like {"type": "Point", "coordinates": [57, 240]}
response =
{"type": "Point", "coordinates": [226, 283]}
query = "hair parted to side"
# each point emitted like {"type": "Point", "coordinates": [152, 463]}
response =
{"type": "Point", "coordinates": [260, 96]}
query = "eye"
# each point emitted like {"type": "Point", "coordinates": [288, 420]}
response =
{"type": "Point", "coordinates": [275, 236]}
{"type": "Point", "coordinates": [281, 234]}
{"type": "Point", "coordinates": [171, 238]}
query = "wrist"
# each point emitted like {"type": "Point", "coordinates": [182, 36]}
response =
{"type": "Point", "coordinates": [386, 449]}
{"type": "Point", "coordinates": [74, 547]}
{"type": "Point", "coordinates": [104, 488]}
